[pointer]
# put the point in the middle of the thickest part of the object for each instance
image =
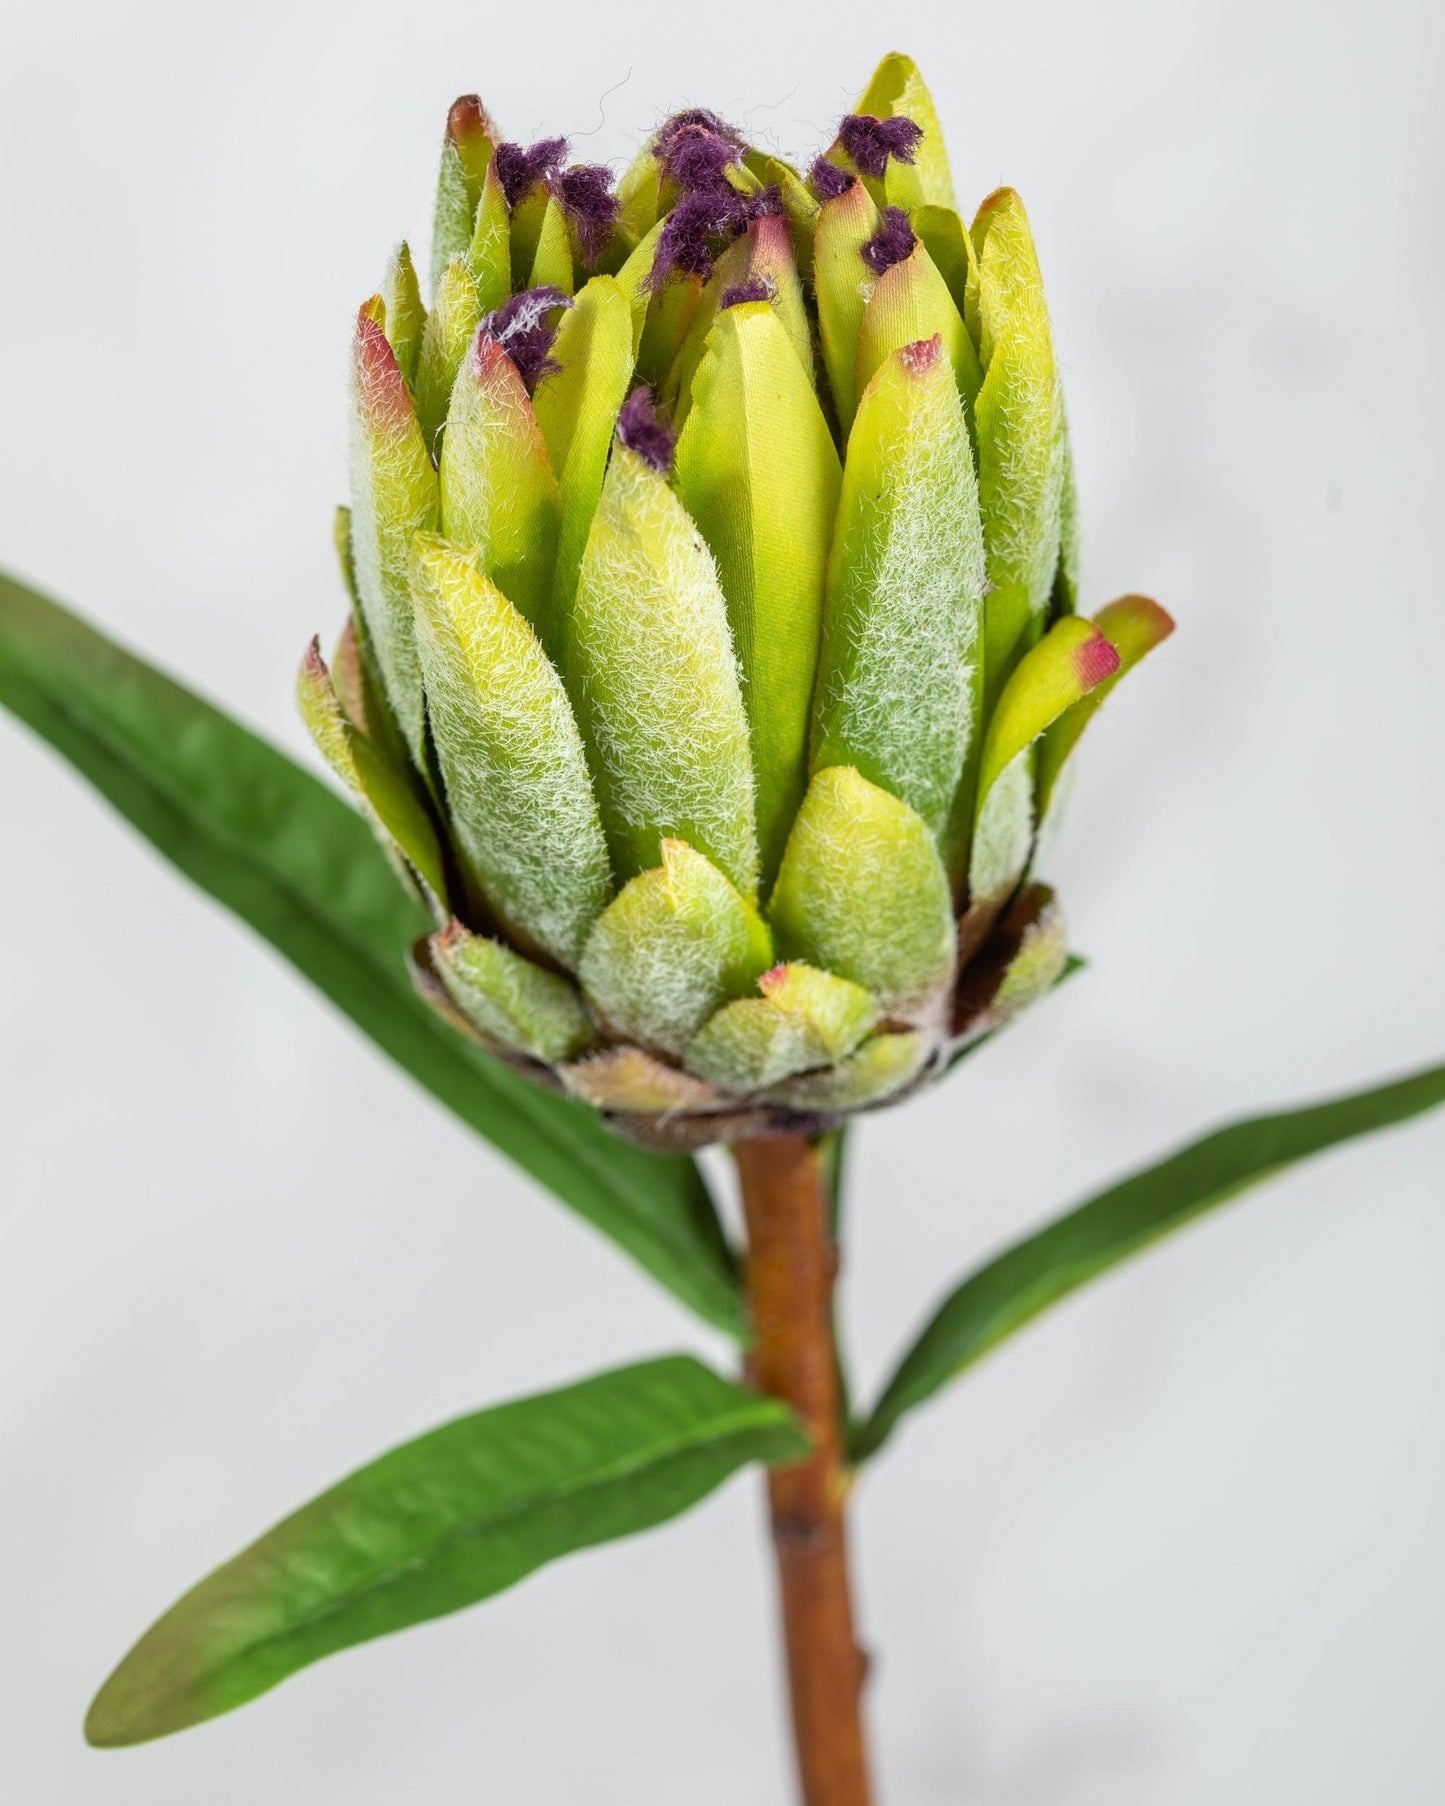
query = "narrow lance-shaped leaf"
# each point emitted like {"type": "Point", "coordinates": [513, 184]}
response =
{"type": "Point", "coordinates": [516, 778]}
{"type": "Point", "coordinates": [577, 409]}
{"type": "Point", "coordinates": [393, 497]}
{"type": "Point", "coordinates": [651, 671]}
{"type": "Point", "coordinates": [1023, 1281]}
{"type": "Point", "coordinates": [757, 471]}
{"type": "Point", "coordinates": [898, 89]}
{"type": "Point", "coordinates": [438, 1524]}
{"type": "Point", "coordinates": [862, 893]}
{"type": "Point", "coordinates": [281, 849]}
{"type": "Point", "coordinates": [674, 944]}
{"type": "Point", "coordinates": [899, 685]}
{"type": "Point", "coordinates": [498, 493]}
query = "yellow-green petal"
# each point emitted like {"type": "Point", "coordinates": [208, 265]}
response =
{"type": "Point", "coordinates": [758, 473]}
{"type": "Point", "coordinates": [898, 88]}
{"type": "Point", "coordinates": [386, 794]}
{"type": "Point", "coordinates": [1134, 626]}
{"type": "Point", "coordinates": [880, 1069]}
{"type": "Point", "coordinates": [577, 409]}
{"type": "Point", "coordinates": [910, 302]}
{"type": "Point", "coordinates": [900, 680]}
{"type": "Point", "coordinates": [650, 667]}
{"type": "Point", "coordinates": [498, 494]}
{"type": "Point", "coordinates": [672, 946]}
{"type": "Point", "coordinates": [518, 794]}
{"type": "Point", "coordinates": [405, 316]}
{"type": "Point", "coordinates": [393, 497]}
{"type": "Point", "coordinates": [862, 893]}
{"type": "Point", "coordinates": [489, 254]}
{"type": "Point", "coordinates": [508, 999]}
{"type": "Point", "coordinates": [751, 1044]}
{"type": "Point", "coordinates": [841, 281]}
{"type": "Point", "coordinates": [450, 328]}
{"type": "Point", "coordinates": [836, 1013]}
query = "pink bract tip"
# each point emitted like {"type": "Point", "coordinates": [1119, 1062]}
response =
{"type": "Point", "coordinates": [380, 386]}
{"type": "Point", "coordinates": [1094, 660]}
{"type": "Point", "coordinates": [773, 979]}
{"type": "Point", "coordinates": [467, 119]}
{"type": "Point", "coordinates": [922, 355]}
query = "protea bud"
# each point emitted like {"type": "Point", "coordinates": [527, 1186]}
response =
{"type": "Point", "coordinates": [714, 659]}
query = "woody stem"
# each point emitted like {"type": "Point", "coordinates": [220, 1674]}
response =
{"type": "Point", "coordinates": [791, 1263]}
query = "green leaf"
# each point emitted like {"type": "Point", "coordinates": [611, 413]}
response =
{"type": "Point", "coordinates": [1023, 1281]}
{"type": "Point", "coordinates": [438, 1524]}
{"type": "Point", "coordinates": [489, 256]}
{"type": "Point", "coordinates": [283, 851]}
{"type": "Point", "coordinates": [758, 473]}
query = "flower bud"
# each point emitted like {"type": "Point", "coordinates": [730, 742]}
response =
{"type": "Point", "coordinates": [714, 664]}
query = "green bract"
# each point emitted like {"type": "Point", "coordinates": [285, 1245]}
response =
{"type": "Point", "coordinates": [713, 553]}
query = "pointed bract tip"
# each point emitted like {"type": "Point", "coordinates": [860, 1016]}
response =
{"type": "Point", "coordinates": [1142, 612]}
{"type": "Point", "coordinates": [644, 430]}
{"type": "Point", "coordinates": [447, 940]}
{"type": "Point", "coordinates": [312, 663]}
{"type": "Point", "coordinates": [1095, 659]}
{"type": "Point", "coordinates": [870, 142]}
{"type": "Point", "coordinates": [467, 120]}
{"type": "Point", "coordinates": [773, 979]}
{"type": "Point", "coordinates": [380, 386]}
{"type": "Point", "coordinates": [998, 200]}
{"type": "Point", "coordinates": [891, 243]}
{"type": "Point", "coordinates": [922, 355]}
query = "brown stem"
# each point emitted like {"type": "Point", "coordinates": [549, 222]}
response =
{"type": "Point", "coordinates": [790, 1269]}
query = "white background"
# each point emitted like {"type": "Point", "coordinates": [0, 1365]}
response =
{"type": "Point", "coordinates": [1179, 1544]}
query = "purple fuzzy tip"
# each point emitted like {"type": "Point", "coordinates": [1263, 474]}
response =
{"type": "Point", "coordinates": [698, 160]}
{"type": "Point", "coordinates": [828, 180]}
{"type": "Point", "coordinates": [891, 243]}
{"type": "Point", "coordinates": [753, 288]}
{"type": "Point", "coordinates": [520, 326]}
{"type": "Point", "coordinates": [694, 227]}
{"type": "Point", "coordinates": [521, 167]}
{"type": "Point", "coordinates": [585, 191]}
{"type": "Point", "coordinates": [767, 203]}
{"type": "Point", "coordinates": [693, 119]}
{"type": "Point", "coordinates": [643, 430]}
{"type": "Point", "coordinates": [871, 142]}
